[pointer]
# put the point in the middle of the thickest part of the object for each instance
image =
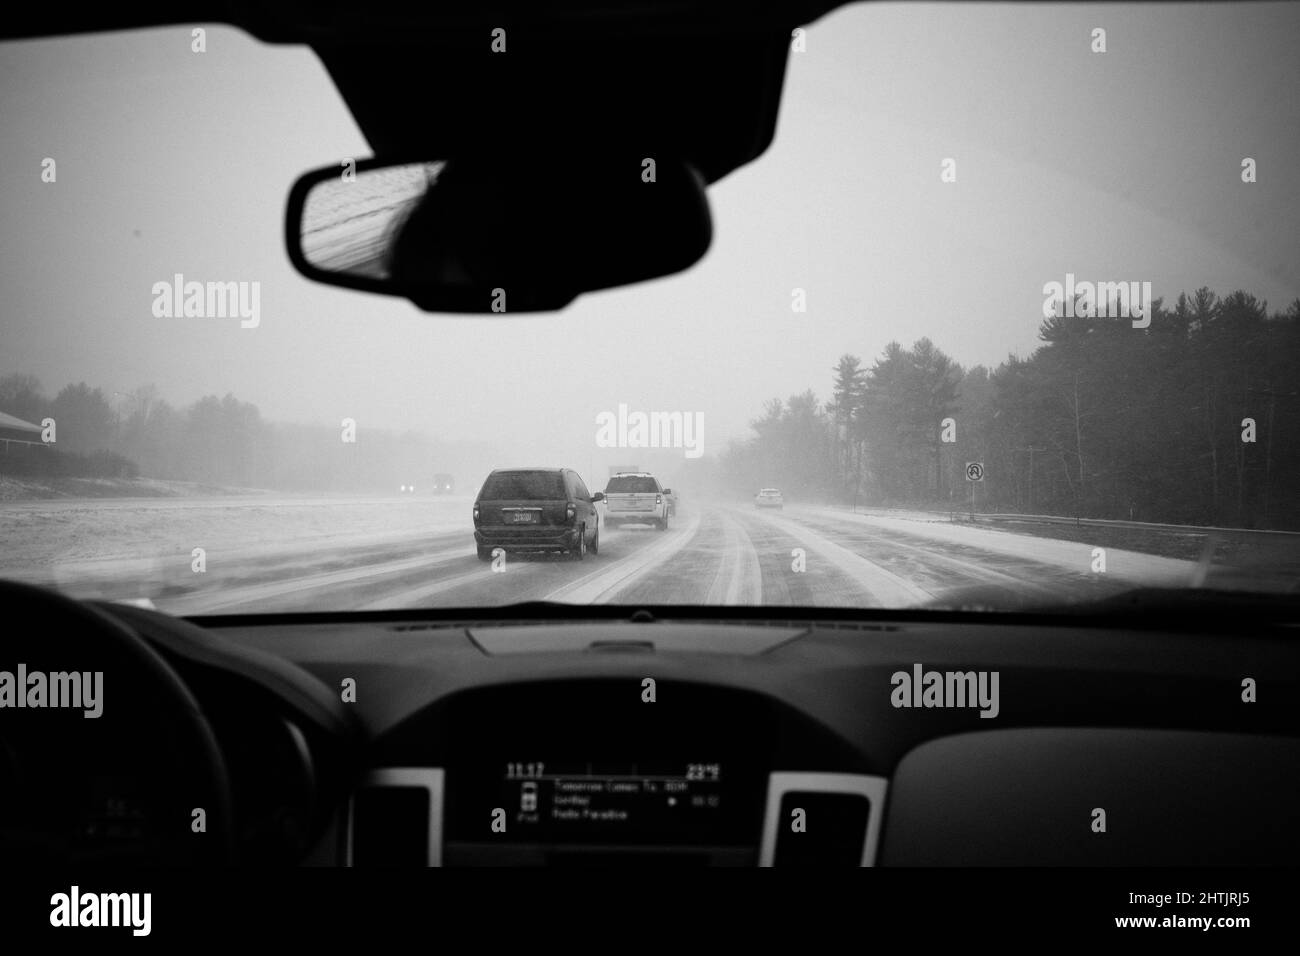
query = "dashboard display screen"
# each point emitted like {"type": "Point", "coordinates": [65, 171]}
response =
{"type": "Point", "coordinates": [587, 764]}
{"type": "Point", "coordinates": [622, 802]}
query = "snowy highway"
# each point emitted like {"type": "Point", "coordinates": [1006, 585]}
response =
{"type": "Point", "coordinates": [376, 554]}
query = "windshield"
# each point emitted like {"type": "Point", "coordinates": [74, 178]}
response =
{"type": "Point", "coordinates": [1009, 312]}
{"type": "Point", "coordinates": [630, 484]}
{"type": "Point", "coordinates": [522, 484]}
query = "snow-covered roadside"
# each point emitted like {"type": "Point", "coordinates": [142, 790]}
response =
{"type": "Point", "coordinates": [135, 539]}
{"type": "Point", "coordinates": [1135, 566]}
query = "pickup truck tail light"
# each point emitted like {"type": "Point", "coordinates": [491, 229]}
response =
{"type": "Point", "coordinates": [570, 512]}
{"type": "Point", "coordinates": [476, 514]}
{"type": "Point", "coordinates": [659, 499]}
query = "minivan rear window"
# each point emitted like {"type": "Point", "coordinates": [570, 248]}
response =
{"type": "Point", "coordinates": [631, 484]}
{"type": "Point", "coordinates": [523, 484]}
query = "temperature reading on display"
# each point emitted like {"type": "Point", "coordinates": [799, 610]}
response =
{"type": "Point", "coordinates": [703, 771]}
{"type": "Point", "coordinates": [524, 771]}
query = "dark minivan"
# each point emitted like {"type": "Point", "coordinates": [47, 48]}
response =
{"type": "Point", "coordinates": [536, 509]}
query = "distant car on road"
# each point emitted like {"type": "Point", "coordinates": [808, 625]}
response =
{"type": "Point", "coordinates": [443, 484]}
{"type": "Point", "coordinates": [769, 498]}
{"type": "Point", "coordinates": [538, 510]}
{"type": "Point", "coordinates": [636, 498]}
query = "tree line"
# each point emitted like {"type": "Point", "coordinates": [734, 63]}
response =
{"type": "Point", "coordinates": [1192, 420]}
{"type": "Point", "coordinates": [219, 441]}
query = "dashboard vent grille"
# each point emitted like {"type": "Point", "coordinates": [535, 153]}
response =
{"type": "Point", "coordinates": [822, 819]}
{"type": "Point", "coordinates": [395, 818]}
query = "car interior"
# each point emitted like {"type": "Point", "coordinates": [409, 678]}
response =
{"type": "Point", "coordinates": [1147, 726]}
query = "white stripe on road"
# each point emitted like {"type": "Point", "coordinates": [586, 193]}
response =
{"type": "Point", "coordinates": [600, 586]}
{"type": "Point", "coordinates": [981, 572]}
{"type": "Point", "coordinates": [739, 579]}
{"type": "Point", "coordinates": [886, 588]}
{"type": "Point", "coordinates": [1135, 566]}
{"type": "Point", "coordinates": [207, 602]}
{"type": "Point", "coordinates": [418, 596]}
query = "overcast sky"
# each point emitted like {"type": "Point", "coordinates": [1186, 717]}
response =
{"type": "Point", "coordinates": [1122, 166]}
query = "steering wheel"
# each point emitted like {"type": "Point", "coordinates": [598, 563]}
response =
{"type": "Point", "coordinates": [105, 754]}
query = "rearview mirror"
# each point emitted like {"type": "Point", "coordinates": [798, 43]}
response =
{"type": "Point", "coordinates": [598, 496]}
{"type": "Point", "coordinates": [485, 235]}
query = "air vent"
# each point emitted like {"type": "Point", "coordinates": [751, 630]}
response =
{"type": "Point", "coordinates": [395, 818]}
{"type": "Point", "coordinates": [822, 819]}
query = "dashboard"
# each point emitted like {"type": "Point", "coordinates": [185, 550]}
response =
{"type": "Point", "coordinates": [594, 737]}
{"type": "Point", "coordinates": [576, 772]}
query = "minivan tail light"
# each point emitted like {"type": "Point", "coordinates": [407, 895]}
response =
{"type": "Point", "coordinates": [476, 514]}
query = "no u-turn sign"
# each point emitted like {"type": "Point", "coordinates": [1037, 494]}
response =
{"type": "Point", "coordinates": [974, 471]}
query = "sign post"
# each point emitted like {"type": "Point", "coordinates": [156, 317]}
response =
{"type": "Point", "coordinates": [974, 475]}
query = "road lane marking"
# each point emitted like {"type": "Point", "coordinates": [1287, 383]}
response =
{"type": "Point", "coordinates": [739, 575]}
{"type": "Point", "coordinates": [204, 602]}
{"type": "Point", "coordinates": [417, 596]}
{"type": "Point", "coordinates": [981, 572]}
{"type": "Point", "coordinates": [1076, 556]}
{"type": "Point", "coordinates": [885, 588]}
{"type": "Point", "coordinates": [600, 586]}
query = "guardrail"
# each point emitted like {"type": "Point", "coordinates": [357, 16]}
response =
{"type": "Point", "coordinates": [1135, 525]}
{"type": "Point", "coordinates": [955, 514]}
